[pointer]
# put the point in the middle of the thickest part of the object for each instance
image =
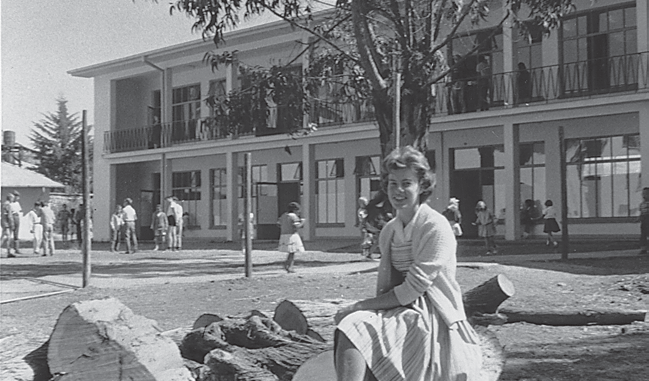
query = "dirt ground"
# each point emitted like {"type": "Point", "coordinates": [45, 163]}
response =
{"type": "Point", "coordinates": [534, 352]}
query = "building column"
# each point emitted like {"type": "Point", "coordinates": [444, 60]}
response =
{"type": "Point", "coordinates": [508, 56]}
{"type": "Point", "coordinates": [553, 168]}
{"type": "Point", "coordinates": [441, 193]}
{"type": "Point", "coordinates": [643, 125]}
{"type": "Point", "coordinates": [308, 195]}
{"type": "Point", "coordinates": [231, 168]}
{"type": "Point", "coordinates": [512, 181]}
{"type": "Point", "coordinates": [166, 96]}
{"type": "Point", "coordinates": [642, 22]}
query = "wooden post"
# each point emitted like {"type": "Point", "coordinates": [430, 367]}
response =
{"type": "Point", "coordinates": [396, 83]}
{"type": "Point", "coordinates": [85, 186]}
{"type": "Point", "coordinates": [564, 196]}
{"type": "Point", "coordinates": [247, 222]}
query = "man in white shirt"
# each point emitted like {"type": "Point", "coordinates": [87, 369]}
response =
{"type": "Point", "coordinates": [17, 214]}
{"type": "Point", "coordinates": [35, 227]}
{"type": "Point", "coordinates": [175, 220]}
{"type": "Point", "coordinates": [129, 216]}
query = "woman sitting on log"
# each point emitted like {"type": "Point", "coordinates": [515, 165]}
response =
{"type": "Point", "coordinates": [416, 327]}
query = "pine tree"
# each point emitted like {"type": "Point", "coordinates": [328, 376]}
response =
{"type": "Point", "coordinates": [57, 140]}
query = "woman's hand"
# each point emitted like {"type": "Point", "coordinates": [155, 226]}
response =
{"type": "Point", "coordinates": [343, 312]}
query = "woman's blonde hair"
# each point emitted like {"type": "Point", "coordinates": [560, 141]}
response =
{"type": "Point", "coordinates": [409, 157]}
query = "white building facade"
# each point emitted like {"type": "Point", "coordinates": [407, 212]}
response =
{"type": "Point", "coordinates": [582, 98]}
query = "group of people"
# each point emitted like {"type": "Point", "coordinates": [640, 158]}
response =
{"type": "Point", "coordinates": [43, 223]}
{"type": "Point", "coordinates": [167, 227]}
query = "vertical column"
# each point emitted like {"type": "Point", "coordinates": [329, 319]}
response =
{"type": "Point", "coordinates": [508, 57]}
{"type": "Point", "coordinates": [232, 75]}
{"type": "Point", "coordinates": [512, 181]}
{"type": "Point", "coordinates": [441, 193]}
{"type": "Point", "coordinates": [643, 125]}
{"type": "Point", "coordinates": [308, 186]}
{"type": "Point", "coordinates": [642, 16]}
{"type": "Point", "coordinates": [232, 164]}
{"type": "Point", "coordinates": [306, 61]}
{"type": "Point", "coordinates": [105, 174]}
{"type": "Point", "coordinates": [166, 96]}
{"type": "Point", "coordinates": [553, 167]}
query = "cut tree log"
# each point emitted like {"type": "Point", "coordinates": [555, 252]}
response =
{"type": "Point", "coordinates": [487, 297]}
{"type": "Point", "coordinates": [104, 340]}
{"type": "Point", "coordinates": [565, 318]}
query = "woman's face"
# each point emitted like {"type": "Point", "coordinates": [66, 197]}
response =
{"type": "Point", "coordinates": [404, 190]}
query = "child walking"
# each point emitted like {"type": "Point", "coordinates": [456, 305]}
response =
{"type": "Point", "coordinates": [116, 225]}
{"type": "Point", "coordinates": [644, 220]}
{"type": "Point", "coordinates": [159, 225]}
{"type": "Point", "coordinates": [289, 240]}
{"type": "Point", "coordinates": [486, 226]}
{"type": "Point", "coordinates": [550, 226]}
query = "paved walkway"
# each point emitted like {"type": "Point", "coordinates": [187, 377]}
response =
{"type": "Point", "coordinates": [30, 276]}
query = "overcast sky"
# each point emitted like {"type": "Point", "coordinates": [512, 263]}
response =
{"type": "Point", "coordinates": [42, 40]}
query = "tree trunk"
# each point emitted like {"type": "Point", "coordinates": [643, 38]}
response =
{"type": "Point", "coordinates": [563, 318]}
{"type": "Point", "coordinates": [486, 297]}
{"type": "Point", "coordinates": [101, 339]}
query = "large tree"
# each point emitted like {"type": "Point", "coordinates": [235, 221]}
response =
{"type": "Point", "coordinates": [57, 141]}
{"type": "Point", "coordinates": [361, 37]}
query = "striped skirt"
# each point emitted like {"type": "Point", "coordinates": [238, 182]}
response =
{"type": "Point", "coordinates": [414, 343]}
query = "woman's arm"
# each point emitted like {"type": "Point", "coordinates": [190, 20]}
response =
{"type": "Point", "coordinates": [382, 302]}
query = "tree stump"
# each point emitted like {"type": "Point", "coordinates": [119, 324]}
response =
{"type": "Point", "coordinates": [486, 297]}
{"type": "Point", "coordinates": [105, 340]}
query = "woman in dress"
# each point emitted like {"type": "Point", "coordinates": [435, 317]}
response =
{"type": "Point", "coordinates": [289, 239]}
{"type": "Point", "coordinates": [416, 327]}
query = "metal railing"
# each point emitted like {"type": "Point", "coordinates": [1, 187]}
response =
{"type": "Point", "coordinates": [629, 73]}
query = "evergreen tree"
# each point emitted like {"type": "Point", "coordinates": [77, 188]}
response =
{"type": "Point", "coordinates": [57, 140]}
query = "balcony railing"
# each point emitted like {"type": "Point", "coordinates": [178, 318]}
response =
{"type": "Point", "coordinates": [629, 73]}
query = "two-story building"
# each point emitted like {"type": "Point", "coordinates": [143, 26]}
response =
{"type": "Point", "coordinates": [578, 96]}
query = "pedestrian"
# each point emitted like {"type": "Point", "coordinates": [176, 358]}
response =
{"type": "Point", "coordinates": [369, 242]}
{"type": "Point", "coordinates": [159, 225]}
{"type": "Point", "coordinates": [486, 223]}
{"type": "Point", "coordinates": [130, 217]}
{"type": "Point", "coordinates": [174, 222]}
{"type": "Point", "coordinates": [72, 225]}
{"type": "Point", "coordinates": [184, 225]}
{"type": "Point", "coordinates": [8, 224]}
{"type": "Point", "coordinates": [550, 223]}
{"type": "Point", "coordinates": [35, 228]}
{"type": "Point", "coordinates": [416, 327]}
{"type": "Point", "coordinates": [48, 219]}
{"type": "Point", "coordinates": [116, 228]}
{"type": "Point", "coordinates": [17, 214]}
{"type": "Point", "coordinates": [79, 216]}
{"type": "Point", "coordinates": [644, 220]}
{"type": "Point", "coordinates": [528, 214]}
{"type": "Point", "coordinates": [289, 239]}
{"type": "Point", "coordinates": [63, 219]}
{"type": "Point", "coordinates": [483, 69]}
{"type": "Point", "coordinates": [453, 215]}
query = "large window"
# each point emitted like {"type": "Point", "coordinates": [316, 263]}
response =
{"type": "Point", "coordinates": [187, 187]}
{"type": "Point", "coordinates": [532, 173]}
{"type": "Point", "coordinates": [603, 176]}
{"type": "Point", "coordinates": [598, 49]}
{"type": "Point", "coordinates": [368, 175]}
{"type": "Point", "coordinates": [186, 112]}
{"type": "Point", "coordinates": [259, 174]}
{"type": "Point", "coordinates": [330, 191]}
{"type": "Point", "coordinates": [218, 186]}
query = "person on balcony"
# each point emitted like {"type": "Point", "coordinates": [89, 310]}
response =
{"type": "Point", "coordinates": [483, 69]}
{"type": "Point", "coordinates": [458, 86]}
{"type": "Point", "coordinates": [523, 84]}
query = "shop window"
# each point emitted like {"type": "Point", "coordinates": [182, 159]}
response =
{"type": "Point", "coordinates": [368, 175]}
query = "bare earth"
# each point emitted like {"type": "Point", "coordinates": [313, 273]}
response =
{"type": "Point", "coordinates": [533, 352]}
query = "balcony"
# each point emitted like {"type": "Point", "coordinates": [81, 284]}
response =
{"type": "Point", "coordinates": [557, 83]}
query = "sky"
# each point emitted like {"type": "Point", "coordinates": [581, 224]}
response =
{"type": "Point", "coordinates": [40, 41]}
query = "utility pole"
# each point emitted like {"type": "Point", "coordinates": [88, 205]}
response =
{"type": "Point", "coordinates": [396, 107]}
{"type": "Point", "coordinates": [85, 186]}
{"type": "Point", "coordinates": [247, 221]}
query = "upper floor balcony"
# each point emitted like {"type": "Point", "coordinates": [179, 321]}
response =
{"type": "Point", "coordinates": [557, 83]}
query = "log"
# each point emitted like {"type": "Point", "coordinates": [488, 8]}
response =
{"type": "Point", "coordinates": [252, 348]}
{"type": "Point", "coordinates": [487, 297]}
{"type": "Point", "coordinates": [105, 340]}
{"type": "Point", "coordinates": [572, 318]}
{"type": "Point", "coordinates": [310, 318]}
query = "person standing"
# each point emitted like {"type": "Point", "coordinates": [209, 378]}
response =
{"type": "Point", "coordinates": [289, 239]}
{"type": "Point", "coordinates": [130, 216]}
{"type": "Point", "coordinates": [453, 215]}
{"type": "Point", "coordinates": [116, 227]}
{"type": "Point", "coordinates": [159, 225]}
{"type": "Point", "coordinates": [174, 222]}
{"type": "Point", "coordinates": [486, 223]}
{"type": "Point", "coordinates": [63, 219]}
{"type": "Point", "coordinates": [16, 214]}
{"type": "Point", "coordinates": [644, 220]}
{"type": "Point", "coordinates": [35, 228]}
{"type": "Point", "coordinates": [528, 215]}
{"type": "Point", "coordinates": [47, 220]}
{"type": "Point", "coordinates": [79, 216]}
{"type": "Point", "coordinates": [8, 224]}
{"type": "Point", "coordinates": [550, 225]}
{"type": "Point", "coordinates": [483, 69]}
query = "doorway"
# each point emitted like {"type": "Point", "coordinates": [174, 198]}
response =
{"type": "Point", "coordinates": [145, 213]}
{"type": "Point", "coordinates": [465, 186]}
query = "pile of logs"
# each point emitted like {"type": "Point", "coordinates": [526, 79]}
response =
{"type": "Point", "coordinates": [105, 340]}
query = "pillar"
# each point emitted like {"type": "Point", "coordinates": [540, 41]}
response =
{"type": "Point", "coordinates": [512, 181]}
{"type": "Point", "coordinates": [643, 125]}
{"type": "Point", "coordinates": [166, 94]}
{"type": "Point", "coordinates": [441, 193]}
{"type": "Point", "coordinates": [308, 195]}
{"type": "Point", "coordinates": [508, 57]}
